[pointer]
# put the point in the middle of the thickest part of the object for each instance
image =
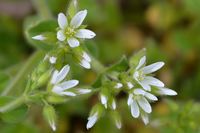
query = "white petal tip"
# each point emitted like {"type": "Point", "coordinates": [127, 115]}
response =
{"type": "Point", "coordinates": [118, 86]}
{"type": "Point", "coordinates": [52, 60]}
{"type": "Point", "coordinates": [84, 63]}
{"type": "Point", "coordinates": [39, 37]}
{"type": "Point", "coordinates": [84, 91]}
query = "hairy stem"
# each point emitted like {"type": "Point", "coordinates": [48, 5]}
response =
{"type": "Point", "coordinates": [42, 8]}
{"type": "Point", "coordinates": [23, 72]}
{"type": "Point", "coordinates": [13, 105]}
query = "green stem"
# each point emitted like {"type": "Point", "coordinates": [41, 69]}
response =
{"type": "Point", "coordinates": [23, 72]}
{"type": "Point", "coordinates": [42, 9]}
{"type": "Point", "coordinates": [13, 105]}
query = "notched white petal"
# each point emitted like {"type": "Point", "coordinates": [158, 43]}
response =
{"type": "Point", "coordinates": [85, 34]}
{"type": "Point", "coordinates": [77, 20]}
{"type": "Point", "coordinates": [62, 21]}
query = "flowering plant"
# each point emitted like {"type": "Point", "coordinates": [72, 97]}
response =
{"type": "Point", "coordinates": [52, 82]}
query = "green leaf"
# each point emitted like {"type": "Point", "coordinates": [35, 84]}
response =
{"type": "Point", "coordinates": [120, 66]}
{"type": "Point", "coordinates": [15, 115]}
{"type": "Point", "coordinates": [47, 28]}
{"type": "Point", "coordinates": [134, 60]}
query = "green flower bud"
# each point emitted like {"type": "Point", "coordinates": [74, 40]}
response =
{"type": "Point", "coordinates": [50, 116]}
{"type": "Point", "coordinates": [117, 119]}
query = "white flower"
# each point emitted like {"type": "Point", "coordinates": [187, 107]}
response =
{"type": "Point", "coordinates": [39, 37]}
{"type": "Point", "coordinates": [72, 31]}
{"type": "Point", "coordinates": [52, 59]}
{"type": "Point", "coordinates": [60, 86]}
{"type": "Point", "coordinates": [139, 100]}
{"type": "Point", "coordinates": [86, 60]}
{"type": "Point", "coordinates": [141, 74]}
{"type": "Point", "coordinates": [92, 120]}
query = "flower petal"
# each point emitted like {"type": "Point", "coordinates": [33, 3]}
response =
{"type": "Point", "coordinates": [141, 62]}
{"type": "Point", "coordinates": [166, 91]}
{"type": "Point", "coordinates": [62, 74]}
{"type": "Point", "coordinates": [62, 21]}
{"type": "Point", "coordinates": [77, 20]}
{"type": "Point", "coordinates": [145, 118]}
{"type": "Point", "coordinates": [68, 84]}
{"type": "Point", "coordinates": [60, 35]}
{"type": "Point", "coordinates": [73, 42]}
{"type": "Point", "coordinates": [118, 86]}
{"type": "Point", "coordinates": [84, 63]}
{"type": "Point", "coordinates": [67, 93]}
{"type": "Point", "coordinates": [84, 91]}
{"type": "Point", "coordinates": [130, 99]}
{"type": "Point", "coordinates": [114, 104]}
{"type": "Point", "coordinates": [150, 96]}
{"type": "Point", "coordinates": [57, 90]}
{"type": "Point", "coordinates": [153, 81]}
{"type": "Point", "coordinates": [145, 85]}
{"type": "Point", "coordinates": [92, 120]}
{"type": "Point", "coordinates": [39, 37]}
{"type": "Point", "coordinates": [104, 100]}
{"type": "Point", "coordinates": [144, 104]}
{"type": "Point", "coordinates": [86, 57]}
{"type": "Point", "coordinates": [153, 67]}
{"type": "Point", "coordinates": [52, 59]}
{"type": "Point", "coordinates": [54, 77]}
{"type": "Point", "coordinates": [139, 92]}
{"type": "Point", "coordinates": [85, 34]}
{"type": "Point", "coordinates": [135, 112]}
{"type": "Point", "coordinates": [130, 85]}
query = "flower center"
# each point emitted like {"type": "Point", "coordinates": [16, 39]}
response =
{"type": "Point", "coordinates": [139, 75]}
{"type": "Point", "coordinates": [69, 32]}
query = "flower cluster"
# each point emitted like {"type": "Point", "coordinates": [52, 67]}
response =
{"type": "Point", "coordinates": [142, 88]}
{"type": "Point", "coordinates": [70, 34]}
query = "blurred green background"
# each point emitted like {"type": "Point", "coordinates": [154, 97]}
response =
{"type": "Point", "coordinates": [169, 29]}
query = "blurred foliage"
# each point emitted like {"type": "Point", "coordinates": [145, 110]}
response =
{"type": "Point", "coordinates": [169, 30]}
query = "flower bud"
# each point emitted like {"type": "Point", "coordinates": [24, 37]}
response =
{"type": "Point", "coordinates": [50, 116]}
{"type": "Point", "coordinates": [117, 119]}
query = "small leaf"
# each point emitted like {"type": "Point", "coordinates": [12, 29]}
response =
{"type": "Point", "coordinates": [15, 115]}
{"type": "Point", "coordinates": [120, 66]}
